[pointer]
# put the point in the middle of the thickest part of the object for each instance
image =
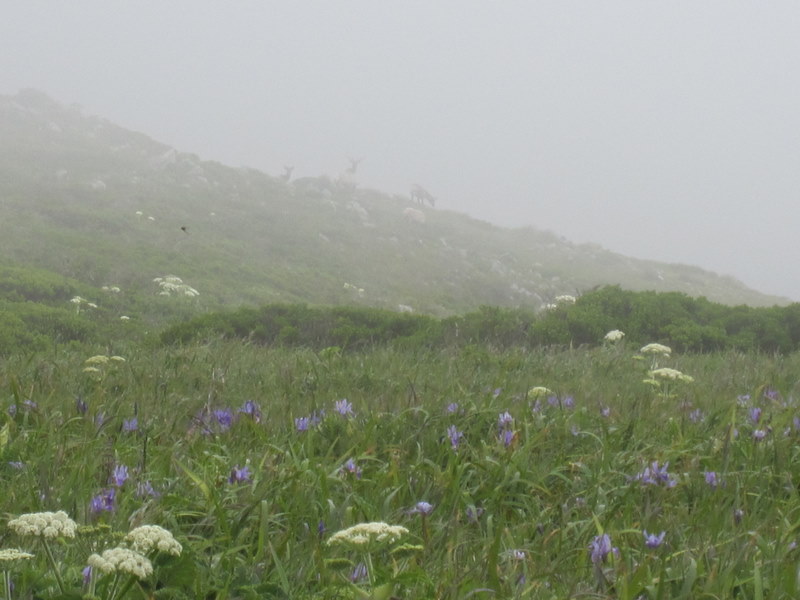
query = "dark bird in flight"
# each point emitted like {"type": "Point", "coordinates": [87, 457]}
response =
{"type": "Point", "coordinates": [183, 229]}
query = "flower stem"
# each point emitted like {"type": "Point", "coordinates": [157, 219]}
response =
{"type": "Point", "coordinates": [125, 587]}
{"type": "Point", "coordinates": [7, 585]}
{"type": "Point", "coordinates": [53, 565]}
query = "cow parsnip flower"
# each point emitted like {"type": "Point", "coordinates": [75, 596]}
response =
{"type": "Point", "coordinates": [121, 560]}
{"type": "Point", "coordinates": [7, 554]}
{"type": "Point", "coordinates": [366, 535]}
{"type": "Point", "coordinates": [614, 335]}
{"type": "Point", "coordinates": [49, 525]}
{"type": "Point", "coordinates": [671, 374]}
{"type": "Point", "coordinates": [152, 537]}
{"type": "Point", "coordinates": [539, 391]}
{"type": "Point", "coordinates": [656, 349]}
{"type": "Point", "coordinates": [99, 359]}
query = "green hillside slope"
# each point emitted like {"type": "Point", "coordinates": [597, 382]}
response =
{"type": "Point", "coordinates": [89, 200]}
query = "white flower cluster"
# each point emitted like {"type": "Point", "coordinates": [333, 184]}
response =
{"type": "Point", "coordinates": [13, 554]}
{"type": "Point", "coordinates": [671, 374]}
{"type": "Point", "coordinates": [565, 299]}
{"type": "Point", "coordinates": [122, 560]}
{"type": "Point", "coordinates": [170, 285]}
{"type": "Point", "coordinates": [365, 534]}
{"type": "Point", "coordinates": [350, 286]}
{"type": "Point", "coordinates": [614, 335]}
{"type": "Point", "coordinates": [112, 289]}
{"type": "Point", "coordinates": [152, 537]}
{"type": "Point", "coordinates": [46, 524]}
{"type": "Point", "coordinates": [79, 301]}
{"type": "Point", "coordinates": [539, 391]}
{"type": "Point", "coordinates": [656, 349]}
{"type": "Point", "coordinates": [100, 360]}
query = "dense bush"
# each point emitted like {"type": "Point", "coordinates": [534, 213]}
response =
{"type": "Point", "coordinates": [28, 326]}
{"type": "Point", "coordinates": [301, 325]}
{"type": "Point", "coordinates": [687, 324]}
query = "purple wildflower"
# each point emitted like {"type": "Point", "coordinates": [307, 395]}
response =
{"type": "Point", "coordinates": [696, 416]}
{"type": "Point", "coordinates": [605, 412]}
{"type": "Point", "coordinates": [87, 575]}
{"type": "Point", "coordinates": [81, 406]}
{"type": "Point", "coordinates": [771, 394]}
{"type": "Point", "coordinates": [144, 489]}
{"type": "Point", "coordinates": [252, 410]}
{"type": "Point", "coordinates": [755, 415]}
{"type": "Point", "coordinates": [316, 417]}
{"type": "Point", "coordinates": [422, 508]}
{"type": "Point", "coordinates": [29, 404]}
{"type": "Point", "coordinates": [653, 541]}
{"type": "Point", "coordinates": [238, 475]}
{"type": "Point", "coordinates": [455, 436]}
{"type": "Point", "coordinates": [358, 573]}
{"type": "Point", "coordinates": [505, 420]}
{"type": "Point", "coordinates": [321, 529]}
{"type": "Point", "coordinates": [452, 408]}
{"type": "Point", "coordinates": [711, 479]}
{"type": "Point", "coordinates": [654, 475]}
{"type": "Point", "coordinates": [796, 423]}
{"type": "Point", "coordinates": [517, 554]}
{"type": "Point", "coordinates": [600, 548]}
{"type": "Point", "coordinates": [552, 400]}
{"type": "Point", "coordinates": [497, 392]}
{"type": "Point", "coordinates": [568, 402]}
{"type": "Point", "coordinates": [104, 501]}
{"type": "Point", "coordinates": [130, 425]}
{"type": "Point", "coordinates": [507, 437]}
{"type": "Point", "coordinates": [738, 515]}
{"type": "Point", "coordinates": [474, 513]}
{"type": "Point", "coordinates": [759, 434]}
{"type": "Point", "coordinates": [302, 423]}
{"type": "Point", "coordinates": [743, 399]}
{"type": "Point", "coordinates": [224, 417]}
{"type": "Point", "coordinates": [343, 407]}
{"type": "Point", "coordinates": [120, 475]}
{"type": "Point", "coordinates": [100, 419]}
{"type": "Point", "coordinates": [351, 467]}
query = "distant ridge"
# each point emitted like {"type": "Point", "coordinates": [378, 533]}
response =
{"type": "Point", "coordinates": [87, 199]}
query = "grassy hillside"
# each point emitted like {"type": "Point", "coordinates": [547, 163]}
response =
{"type": "Point", "coordinates": [88, 200]}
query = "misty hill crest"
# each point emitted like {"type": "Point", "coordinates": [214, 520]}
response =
{"type": "Point", "coordinates": [88, 199]}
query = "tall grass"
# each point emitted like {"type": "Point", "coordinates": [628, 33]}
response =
{"type": "Point", "coordinates": [254, 492]}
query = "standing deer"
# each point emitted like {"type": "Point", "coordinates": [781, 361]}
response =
{"type": "Point", "coordinates": [347, 179]}
{"type": "Point", "coordinates": [354, 162]}
{"type": "Point", "coordinates": [420, 195]}
{"type": "Point", "coordinates": [287, 173]}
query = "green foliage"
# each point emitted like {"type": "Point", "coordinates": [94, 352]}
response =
{"type": "Point", "coordinates": [514, 515]}
{"type": "Point", "coordinates": [684, 323]}
{"type": "Point", "coordinates": [313, 327]}
{"type": "Point", "coordinates": [91, 201]}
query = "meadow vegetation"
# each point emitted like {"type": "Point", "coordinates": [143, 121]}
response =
{"type": "Point", "coordinates": [218, 384]}
{"type": "Point", "coordinates": [465, 471]}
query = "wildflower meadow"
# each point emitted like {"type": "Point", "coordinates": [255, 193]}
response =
{"type": "Point", "coordinates": [230, 470]}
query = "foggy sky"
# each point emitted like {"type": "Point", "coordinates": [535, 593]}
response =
{"type": "Point", "coordinates": [661, 130]}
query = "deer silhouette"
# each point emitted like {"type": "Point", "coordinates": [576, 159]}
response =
{"type": "Point", "coordinates": [287, 173]}
{"type": "Point", "coordinates": [420, 195]}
